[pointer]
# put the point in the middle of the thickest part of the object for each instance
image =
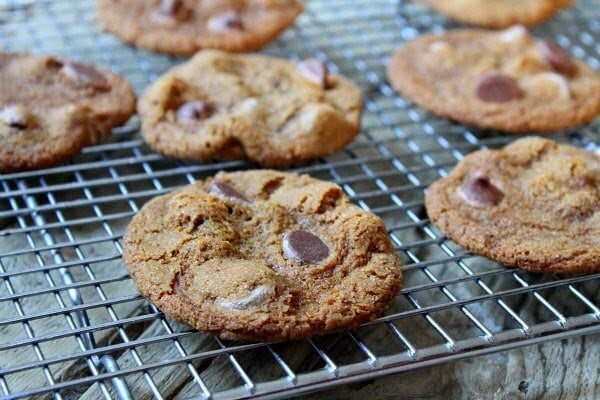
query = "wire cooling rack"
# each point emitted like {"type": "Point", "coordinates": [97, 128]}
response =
{"type": "Point", "coordinates": [72, 324]}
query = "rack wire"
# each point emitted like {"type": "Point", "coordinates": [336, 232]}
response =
{"type": "Point", "coordinates": [73, 325]}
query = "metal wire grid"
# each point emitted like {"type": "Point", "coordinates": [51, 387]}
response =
{"type": "Point", "coordinates": [73, 325]}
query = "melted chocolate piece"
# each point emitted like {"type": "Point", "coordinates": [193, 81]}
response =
{"type": "Point", "coordinates": [258, 297]}
{"type": "Point", "coordinates": [169, 8]}
{"type": "Point", "coordinates": [14, 116]}
{"type": "Point", "coordinates": [224, 189]}
{"type": "Point", "coordinates": [305, 247]}
{"type": "Point", "coordinates": [194, 111]}
{"type": "Point", "coordinates": [314, 70]}
{"type": "Point", "coordinates": [496, 87]}
{"type": "Point", "coordinates": [85, 75]}
{"type": "Point", "coordinates": [557, 57]}
{"type": "Point", "coordinates": [230, 20]}
{"type": "Point", "coordinates": [480, 191]}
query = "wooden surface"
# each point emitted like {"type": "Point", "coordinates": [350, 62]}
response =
{"type": "Point", "coordinates": [567, 369]}
{"type": "Point", "coordinates": [554, 370]}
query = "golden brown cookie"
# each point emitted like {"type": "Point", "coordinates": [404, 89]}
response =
{"type": "Point", "coordinates": [262, 255]}
{"type": "Point", "coordinates": [271, 111]}
{"type": "Point", "coordinates": [182, 27]}
{"type": "Point", "coordinates": [499, 13]}
{"type": "Point", "coordinates": [51, 108]}
{"type": "Point", "coordinates": [534, 204]}
{"type": "Point", "coordinates": [505, 80]}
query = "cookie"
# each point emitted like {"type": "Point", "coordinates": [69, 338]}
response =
{"type": "Point", "coordinates": [534, 204]}
{"type": "Point", "coordinates": [51, 108]}
{"type": "Point", "coordinates": [271, 111]}
{"type": "Point", "coordinates": [505, 80]}
{"type": "Point", "coordinates": [499, 13]}
{"type": "Point", "coordinates": [262, 255]}
{"type": "Point", "coordinates": [182, 27]}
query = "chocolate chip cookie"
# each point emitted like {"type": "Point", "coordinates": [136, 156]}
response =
{"type": "Point", "coordinates": [51, 108]}
{"type": "Point", "coordinates": [534, 204]}
{"type": "Point", "coordinates": [505, 80]}
{"type": "Point", "coordinates": [271, 111]}
{"type": "Point", "coordinates": [182, 27]}
{"type": "Point", "coordinates": [262, 255]}
{"type": "Point", "coordinates": [499, 13]}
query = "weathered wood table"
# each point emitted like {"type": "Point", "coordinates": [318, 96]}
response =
{"type": "Point", "coordinates": [72, 324]}
{"type": "Point", "coordinates": [566, 369]}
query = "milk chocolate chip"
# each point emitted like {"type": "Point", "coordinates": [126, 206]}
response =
{"type": "Point", "coordinates": [496, 87]}
{"type": "Point", "coordinates": [259, 296]}
{"type": "Point", "coordinates": [223, 189]}
{"type": "Point", "coordinates": [305, 247]}
{"type": "Point", "coordinates": [15, 117]}
{"type": "Point", "coordinates": [225, 21]}
{"type": "Point", "coordinates": [85, 75]}
{"type": "Point", "coordinates": [314, 70]}
{"type": "Point", "coordinates": [480, 191]}
{"type": "Point", "coordinates": [194, 111]}
{"type": "Point", "coordinates": [169, 8]}
{"type": "Point", "coordinates": [558, 58]}
{"type": "Point", "coordinates": [514, 33]}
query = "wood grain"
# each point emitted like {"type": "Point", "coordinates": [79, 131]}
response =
{"type": "Point", "coordinates": [566, 369]}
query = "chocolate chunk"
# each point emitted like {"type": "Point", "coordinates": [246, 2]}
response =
{"type": "Point", "coordinates": [304, 247]}
{"type": "Point", "coordinates": [557, 57]}
{"type": "Point", "coordinates": [496, 87]}
{"type": "Point", "coordinates": [53, 63]}
{"type": "Point", "coordinates": [224, 189]}
{"type": "Point", "coordinates": [514, 33]}
{"type": "Point", "coordinates": [15, 116]}
{"type": "Point", "coordinates": [85, 75]}
{"type": "Point", "coordinates": [169, 8]}
{"type": "Point", "coordinates": [194, 111]}
{"type": "Point", "coordinates": [314, 70]}
{"type": "Point", "coordinates": [225, 21]}
{"type": "Point", "coordinates": [258, 297]}
{"type": "Point", "coordinates": [479, 191]}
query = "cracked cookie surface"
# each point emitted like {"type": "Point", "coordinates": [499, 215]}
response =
{"type": "Point", "coordinates": [271, 111]}
{"type": "Point", "coordinates": [505, 80]}
{"type": "Point", "coordinates": [51, 108]}
{"type": "Point", "coordinates": [499, 13]}
{"type": "Point", "coordinates": [534, 204]}
{"type": "Point", "coordinates": [262, 255]}
{"type": "Point", "coordinates": [182, 27]}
